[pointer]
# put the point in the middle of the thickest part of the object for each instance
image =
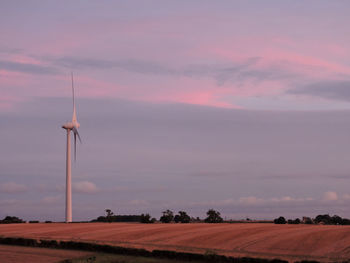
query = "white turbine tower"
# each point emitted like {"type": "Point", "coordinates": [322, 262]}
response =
{"type": "Point", "coordinates": [70, 126]}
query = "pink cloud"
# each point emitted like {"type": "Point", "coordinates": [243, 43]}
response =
{"type": "Point", "coordinates": [85, 187]}
{"type": "Point", "coordinates": [205, 98]}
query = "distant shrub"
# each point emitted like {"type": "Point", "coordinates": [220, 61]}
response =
{"type": "Point", "coordinates": [48, 221]}
{"type": "Point", "coordinates": [281, 220]}
{"type": "Point", "coordinates": [33, 221]}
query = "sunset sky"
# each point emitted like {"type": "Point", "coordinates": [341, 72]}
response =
{"type": "Point", "coordinates": [240, 106]}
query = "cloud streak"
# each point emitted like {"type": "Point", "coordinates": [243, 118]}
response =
{"type": "Point", "coordinates": [332, 90]}
{"type": "Point", "coordinates": [12, 188]}
{"type": "Point", "coordinates": [28, 68]}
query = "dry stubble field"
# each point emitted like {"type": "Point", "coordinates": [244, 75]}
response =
{"type": "Point", "coordinates": [291, 242]}
{"type": "Point", "coordinates": [15, 254]}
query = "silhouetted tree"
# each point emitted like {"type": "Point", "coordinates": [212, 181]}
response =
{"type": "Point", "coordinates": [345, 221]}
{"type": "Point", "coordinates": [295, 222]}
{"type": "Point", "coordinates": [146, 219]}
{"type": "Point", "coordinates": [307, 220]}
{"type": "Point", "coordinates": [167, 216]}
{"type": "Point", "coordinates": [11, 220]}
{"type": "Point", "coordinates": [328, 220]}
{"type": "Point", "coordinates": [109, 215]}
{"type": "Point", "coordinates": [337, 220]}
{"type": "Point", "coordinates": [280, 220]}
{"type": "Point", "coordinates": [182, 217]}
{"type": "Point", "coordinates": [213, 217]}
{"type": "Point", "coordinates": [323, 219]}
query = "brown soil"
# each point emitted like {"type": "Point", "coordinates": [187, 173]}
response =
{"type": "Point", "coordinates": [15, 254]}
{"type": "Point", "coordinates": [291, 242]}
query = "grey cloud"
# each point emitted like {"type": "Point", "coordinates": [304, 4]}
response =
{"type": "Point", "coordinates": [211, 174]}
{"type": "Point", "coordinates": [28, 68]}
{"type": "Point", "coordinates": [334, 90]}
{"type": "Point", "coordinates": [221, 73]}
{"type": "Point", "coordinates": [138, 66]}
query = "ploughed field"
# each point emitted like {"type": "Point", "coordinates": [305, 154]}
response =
{"type": "Point", "coordinates": [263, 240]}
{"type": "Point", "coordinates": [15, 254]}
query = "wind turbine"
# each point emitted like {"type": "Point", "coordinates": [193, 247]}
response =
{"type": "Point", "coordinates": [70, 126]}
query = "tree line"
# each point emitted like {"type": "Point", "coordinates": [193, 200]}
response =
{"type": "Point", "coordinates": [213, 216]}
{"type": "Point", "coordinates": [168, 216]}
{"type": "Point", "coordinates": [320, 220]}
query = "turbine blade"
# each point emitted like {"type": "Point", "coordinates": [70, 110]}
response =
{"type": "Point", "coordinates": [76, 133]}
{"type": "Point", "coordinates": [74, 118]}
{"type": "Point", "coordinates": [75, 146]}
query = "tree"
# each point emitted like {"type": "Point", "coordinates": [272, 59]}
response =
{"type": "Point", "coordinates": [307, 220]}
{"type": "Point", "coordinates": [182, 217]}
{"type": "Point", "coordinates": [213, 217]}
{"type": "Point", "coordinates": [345, 221]}
{"type": "Point", "coordinates": [328, 220]}
{"type": "Point", "coordinates": [146, 219]}
{"type": "Point", "coordinates": [337, 220]}
{"type": "Point", "coordinates": [323, 219]}
{"type": "Point", "coordinates": [167, 216]}
{"type": "Point", "coordinates": [109, 215]}
{"type": "Point", "coordinates": [294, 222]}
{"type": "Point", "coordinates": [11, 220]}
{"type": "Point", "coordinates": [280, 220]}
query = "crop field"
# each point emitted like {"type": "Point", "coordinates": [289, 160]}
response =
{"type": "Point", "coordinates": [14, 254]}
{"type": "Point", "coordinates": [290, 242]}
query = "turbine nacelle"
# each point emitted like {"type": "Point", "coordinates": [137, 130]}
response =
{"type": "Point", "coordinates": [71, 125]}
{"type": "Point", "coordinates": [68, 126]}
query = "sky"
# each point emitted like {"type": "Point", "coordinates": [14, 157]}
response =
{"type": "Point", "coordinates": [239, 106]}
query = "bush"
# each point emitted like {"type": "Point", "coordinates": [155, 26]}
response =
{"type": "Point", "coordinates": [213, 217]}
{"type": "Point", "coordinates": [49, 243]}
{"type": "Point", "coordinates": [280, 220]}
{"type": "Point", "coordinates": [18, 241]}
{"type": "Point", "coordinates": [48, 221]}
{"type": "Point", "coordinates": [33, 221]}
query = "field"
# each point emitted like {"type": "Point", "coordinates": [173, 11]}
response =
{"type": "Point", "coordinates": [14, 254]}
{"type": "Point", "coordinates": [291, 242]}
